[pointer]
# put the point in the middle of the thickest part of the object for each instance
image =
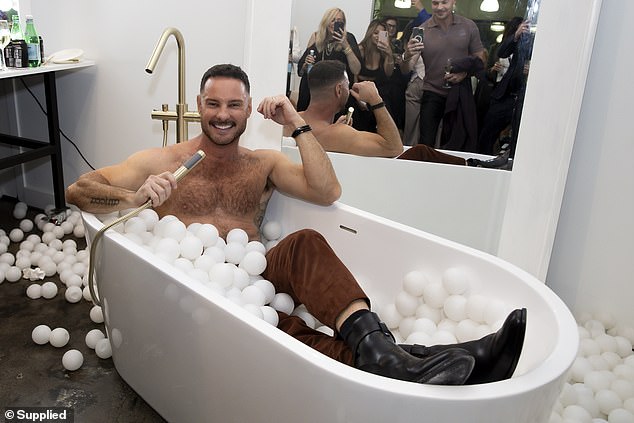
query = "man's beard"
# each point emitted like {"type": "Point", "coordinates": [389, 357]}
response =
{"type": "Point", "coordinates": [239, 130]}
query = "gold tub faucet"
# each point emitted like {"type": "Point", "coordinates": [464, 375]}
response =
{"type": "Point", "coordinates": [181, 115]}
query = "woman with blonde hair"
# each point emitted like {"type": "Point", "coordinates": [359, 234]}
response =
{"type": "Point", "coordinates": [331, 41]}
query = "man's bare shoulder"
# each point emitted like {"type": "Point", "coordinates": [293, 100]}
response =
{"type": "Point", "coordinates": [337, 137]}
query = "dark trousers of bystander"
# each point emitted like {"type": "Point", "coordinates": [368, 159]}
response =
{"type": "Point", "coordinates": [432, 110]}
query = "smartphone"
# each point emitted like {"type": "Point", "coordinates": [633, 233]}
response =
{"type": "Point", "coordinates": [417, 34]}
{"type": "Point", "coordinates": [383, 36]}
{"type": "Point", "coordinates": [339, 27]}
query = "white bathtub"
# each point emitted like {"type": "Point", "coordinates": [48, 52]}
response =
{"type": "Point", "coordinates": [194, 356]}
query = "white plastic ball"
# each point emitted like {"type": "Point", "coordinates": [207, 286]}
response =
{"type": "Point", "coordinates": [623, 371]}
{"type": "Point", "coordinates": [608, 401]}
{"type": "Point", "coordinates": [406, 304]}
{"type": "Point", "coordinates": [598, 362]}
{"type": "Point", "coordinates": [67, 227]}
{"type": "Point", "coordinates": [595, 327]}
{"type": "Point", "coordinates": [606, 342]}
{"type": "Point", "coordinates": [272, 230]}
{"type": "Point", "coordinates": [580, 367]}
{"type": "Point", "coordinates": [191, 247]}
{"type": "Point", "coordinates": [589, 347]}
{"type": "Point", "coordinates": [271, 244]}
{"type": "Point", "coordinates": [424, 325]}
{"type": "Point", "coordinates": [495, 311]}
{"type": "Point", "coordinates": [41, 334]}
{"type": "Point", "coordinates": [425, 310]}
{"type": "Point", "coordinates": [59, 232]}
{"type": "Point", "coordinates": [421, 338]}
{"type": "Point", "coordinates": [455, 307]}
{"type": "Point", "coordinates": [217, 253]}
{"type": "Point", "coordinates": [96, 314]}
{"type": "Point", "coordinates": [183, 264]}
{"type": "Point", "coordinates": [49, 290]}
{"type": "Point", "coordinates": [74, 280]}
{"type": "Point", "coordinates": [23, 262]}
{"type": "Point", "coordinates": [208, 234]}
{"type": "Point", "coordinates": [254, 263]}
{"type": "Point", "coordinates": [621, 415]}
{"type": "Point", "coordinates": [167, 248]}
{"type": "Point", "coordinates": [237, 235]}
{"type": "Point", "coordinates": [234, 252]}
{"type": "Point", "coordinates": [135, 225]}
{"type": "Point", "coordinates": [434, 294]}
{"type": "Point", "coordinates": [93, 336]}
{"type": "Point", "coordinates": [72, 360]}
{"type": "Point", "coordinates": [26, 225]}
{"type": "Point", "coordinates": [222, 273]}
{"type": "Point", "coordinates": [623, 388]}
{"type": "Point", "coordinates": [569, 395]}
{"type": "Point", "coordinates": [13, 274]}
{"type": "Point", "coordinates": [596, 380]}
{"type": "Point", "coordinates": [254, 310]}
{"type": "Point", "coordinates": [611, 358]}
{"type": "Point", "coordinates": [476, 306]}
{"type": "Point", "coordinates": [447, 325]}
{"type": "Point", "coordinates": [267, 288]}
{"type": "Point", "coordinates": [175, 229]}
{"type": "Point", "coordinates": [19, 213]}
{"type": "Point", "coordinates": [34, 291]}
{"type": "Point", "coordinates": [270, 315]}
{"type": "Point", "coordinates": [103, 349]}
{"type": "Point", "coordinates": [199, 275]}
{"type": "Point", "coordinates": [466, 330]}
{"type": "Point", "coordinates": [150, 217]}
{"type": "Point", "coordinates": [7, 258]}
{"type": "Point", "coordinates": [284, 303]}
{"type": "Point", "coordinates": [623, 346]}
{"type": "Point", "coordinates": [406, 325]}
{"type": "Point", "coordinates": [59, 337]}
{"type": "Point", "coordinates": [86, 293]}
{"type": "Point", "coordinates": [79, 231]}
{"type": "Point", "coordinates": [414, 283]}
{"type": "Point", "coordinates": [628, 404]}
{"type": "Point", "coordinates": [241, 280]}
{"type": "Point", "coordinates": [73, 294]}
{"type": "Point", "coordinates": [255, 246]}
{"type": "Point", "coordinates": [253, 295]}
{"type": "Point", "coordinates": [577, 414]}
{"type": "Point", "coordinates": [48, 266]}
{"type": "Point", "coordinates": [455, 281]}
{"type": "Point", "coordinates": [443, 337]}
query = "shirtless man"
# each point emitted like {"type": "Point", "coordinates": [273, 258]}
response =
{"type": "Point", "coordinates": [329, 94]}
{"type": "Point", "coordinates": [231, 187]}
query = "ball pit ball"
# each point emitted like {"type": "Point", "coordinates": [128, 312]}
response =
{"type": "Point", "coordinates": [41, 334]}
{"type": "Point", "coordinates": [72, 360]}
{"type": "Point", "coordinates": [254, 263]}
{"type": "Point", "coordinates": [103, 349]}
{"type": "Point", "coordinates": [455, 307]}
{"type": "Point", "coordinates": [34, 291]}
{"type": "Point", "coordinates": [49, 290]}
{"type": "Point", "coordinates": [7, 258]}
{"type": "Point", "coordinates": [13, 274]}
{"type": "Point", "coordinates": [92, 337]}
{"type": "Point", "coordinates": [234, 252]}
{"type": "Point", "coordinates": [253, 295]}
{"type": "Point", "coordinates": [237, 235]}
{"type": "Point", "coordinates": [476, 306]}
{"type": "Point", "coordinates": [73, 294]}
{"type": "Point", "coordinates": [435, 294]}
{"type": "Point", "coordinates": [406, 304]}
{"type": "Point", "coordinates": [269, 315]}
{"type": "Point", "coordinates": [621, 415]}
{"type": "Point", "coordinates": [19, 213]}
{"type": "Point", "coordinates": [608, 401]}
{"type": "Point", "coordinates": [455, 281]}
{"type": "Point", "coordinates": [272, 230]}
{"type": "Point", "coordinates": [255, 246]}
{"type": "Point", "coordinates": [283, 302]}
{"type": "Point", "coordinates": [208, 234]}
{"type": "Point", "coordinates": [96, 314]}
{"type": "Point", "coordinates": [26, 225]}
{"type": "Point", "coordinates": [267, 288]}
{"type": "Point", "coordinates": [59, 337]}
{"type": "Point", "coordinates": [414, 282]}
{"type": "Point", "coordinates": [191, 247]}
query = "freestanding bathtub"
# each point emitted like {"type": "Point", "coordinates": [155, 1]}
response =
{"type": "Point", "coordinates": [195, 356]}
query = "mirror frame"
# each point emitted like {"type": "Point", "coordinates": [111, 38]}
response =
{"type": "Point", "coordinates": [555, 88]}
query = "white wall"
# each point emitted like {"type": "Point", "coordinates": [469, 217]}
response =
{"type": "Point", "coordinates": [592, 264]}
{"type": "Point", "coordinates": [106, 109]}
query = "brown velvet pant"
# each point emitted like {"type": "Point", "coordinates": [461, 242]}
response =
{"type": "Point", "coordinates": [304, 266]}
{"type": "Point", "coordinates": [423, 153]}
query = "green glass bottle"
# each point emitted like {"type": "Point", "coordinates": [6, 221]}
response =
{"type": "Point", "coordinates": [32, 43]}
{"type": "Point", "coordinates": [16, 31]}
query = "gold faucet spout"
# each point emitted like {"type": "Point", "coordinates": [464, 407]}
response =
{"type": "Point", "coordinates": [182, 115]}
{"type": "Point", "coordinates": [158, 49]}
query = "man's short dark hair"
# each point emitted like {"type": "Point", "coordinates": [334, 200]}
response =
{"type": "Point", "coordinates": [325, 74]}
{"type": "Point", "coordinates": [228, 71]}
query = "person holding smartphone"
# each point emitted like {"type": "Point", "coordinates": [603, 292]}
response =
{"type": "Point", "coordinates": [377, 65]}
{"type": "Point", "coordinates": [331, 41]}
{"type": "Point", "coordinates": [448, 38]}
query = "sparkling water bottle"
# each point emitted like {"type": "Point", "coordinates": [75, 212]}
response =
{"type": "Point", "coordinates": [32, 43]}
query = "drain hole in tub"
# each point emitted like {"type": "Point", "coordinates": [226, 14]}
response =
{"type": "Point", "coordinates": [345, 228]}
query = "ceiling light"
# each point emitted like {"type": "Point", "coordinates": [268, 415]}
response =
{"type": "Point", "coordinates": [403, 4]}
{"type": "Point", "coordinates": [490, 6]}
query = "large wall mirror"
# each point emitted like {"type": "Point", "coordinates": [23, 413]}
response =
{"type": "Point", "coordinates": [554, 92]}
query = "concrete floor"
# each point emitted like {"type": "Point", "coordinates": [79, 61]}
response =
{"type": "Point", "coordinates": [32, 375]}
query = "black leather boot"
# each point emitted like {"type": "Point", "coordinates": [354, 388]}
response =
{"type": "Point", "coordinates": [376, 352]}
{"type": "Point", "coordinates": [501, 161]}
{"type": "Point", "coordinates": [496, 355]}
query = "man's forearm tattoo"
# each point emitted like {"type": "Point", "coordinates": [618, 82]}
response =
{"type": "Point", "coordinates": [104, 201]}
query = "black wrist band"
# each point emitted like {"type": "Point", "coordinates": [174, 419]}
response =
{"type": "Point", "coordinates": [301, 130]}
{"type": "Point", "coordinates": [376, 106]}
